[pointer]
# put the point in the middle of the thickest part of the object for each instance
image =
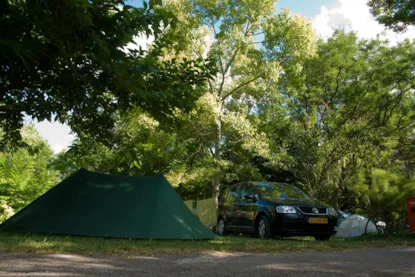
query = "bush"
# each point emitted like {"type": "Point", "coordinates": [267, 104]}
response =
{"type": "Point", "coordinates": [5, 211]}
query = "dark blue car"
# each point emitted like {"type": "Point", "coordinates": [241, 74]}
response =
{"type": "Point", "coordinates": [273, 209]}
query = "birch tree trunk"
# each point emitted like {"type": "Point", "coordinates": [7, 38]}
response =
{"type": "Point", "coordinates": [217, 159]}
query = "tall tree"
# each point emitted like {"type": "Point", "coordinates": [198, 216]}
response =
{"type": "Point", "coordinates": [395, 14]}
{"type": "Point", "coordinates": [67, 60]}
{"type": "Point", "coordinates": [254, 46]}
{"type": "Point", "coordinates": [355, 104]}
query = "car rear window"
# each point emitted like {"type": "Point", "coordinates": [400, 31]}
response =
{"type": "Point", "coordinates": [281, 191]}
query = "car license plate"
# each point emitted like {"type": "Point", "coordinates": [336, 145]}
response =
{"type": "Point", "coordinates": [318, 220]}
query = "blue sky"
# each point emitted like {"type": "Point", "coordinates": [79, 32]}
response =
{"type": "Point", "coordinates": [308, 8]}
{"type": "Point", "coordinates": [325, 16]}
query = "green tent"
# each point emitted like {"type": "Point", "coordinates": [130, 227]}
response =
{"type": "Point", "coordinates": [95, 204]}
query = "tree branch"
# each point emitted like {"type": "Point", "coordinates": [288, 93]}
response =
{"type": "Point", "coordinates": [214, 32]}
{"type": "Point", "coordinates": [210, 86]}
{"type": "Point", "coordinates": [211, 152]}
{"type": "Point", "coordinates": [228, 64]}
{"type": "Point", "coordinates": [240, 86]}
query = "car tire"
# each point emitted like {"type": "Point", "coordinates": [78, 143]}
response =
{"type": "Point", "coordinates": [263, 228]}
{"type": "Point", "coordinates": [220, 227]}
{"type": "Point", "coordinates": [322, 237]}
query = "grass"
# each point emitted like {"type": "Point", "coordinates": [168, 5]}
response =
{"type": "Point", "coordinates": [37, 243]}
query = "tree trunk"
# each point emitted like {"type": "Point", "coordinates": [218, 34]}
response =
{"type": "Point", "coordinates": [217, 158]}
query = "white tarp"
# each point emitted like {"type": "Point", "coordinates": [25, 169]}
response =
{"type": "Point", "coordinates": [354, 226]}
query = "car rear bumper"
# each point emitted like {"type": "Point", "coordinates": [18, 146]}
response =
{"type": "Point", "coordinates": [298, 225]}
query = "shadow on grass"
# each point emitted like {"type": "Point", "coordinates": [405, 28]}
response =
{"type": "Point", "coordinates": [38, 243]}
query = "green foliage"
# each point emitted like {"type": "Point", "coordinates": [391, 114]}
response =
{"type": "Point", "coordinates": [67, 60]}
{"type": "Point", "coordinates": [25, 173]}
{"type": "Point", "coordinates": [5, 210]}
{"type": "Point", "coordinates": [384, 197]}
{"type": "Point", "coordinates": [219, 137]}
{"type": "Point", "coordinates": [140, 147]}
{"type": "Point", "coordinates": [395, 14]}
{"type": "Point", "coordinates": [349, 115]}
{"type": "Point", "coordinates": [336, 117]}
{"type": "Point", "coordinates": [230, 33]}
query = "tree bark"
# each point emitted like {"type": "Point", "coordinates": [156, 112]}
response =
{"type": "Point", "coordinates": [217, 159]}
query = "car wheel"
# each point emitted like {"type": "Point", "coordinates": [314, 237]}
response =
{"type": "Point", "coordinates": [221, 227]}
{"type": "Point", "coordinates": [322, 237]}
{"type": "Point", "coordinates": [264, 228]}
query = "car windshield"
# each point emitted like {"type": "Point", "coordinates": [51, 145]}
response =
{"type": "Point", "coordinates": [281, 191]}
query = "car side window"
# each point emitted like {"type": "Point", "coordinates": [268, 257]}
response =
{"type": "Point", "coordinates": [248, 190]}
{"type": "Point", "coordinates": [224, 196]}
{"type": "Point", "coordinates": [234, 194]}
{"type": "Point", "coordinates": [244, 190]}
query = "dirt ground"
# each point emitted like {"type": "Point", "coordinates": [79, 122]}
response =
{"type": "Point", "coordinates": [377, 262]}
